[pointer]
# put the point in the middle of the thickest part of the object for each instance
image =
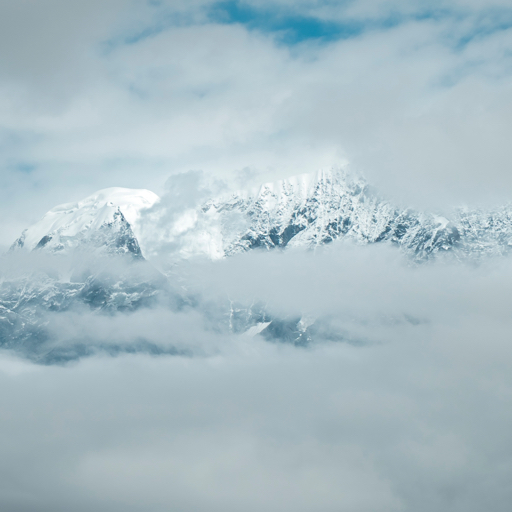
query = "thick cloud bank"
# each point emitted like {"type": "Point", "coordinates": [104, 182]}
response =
{"type": "Point", "coordinates": [408, 411]}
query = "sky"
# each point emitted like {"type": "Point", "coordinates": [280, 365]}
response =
{"type": "Point", "coordinates": [413, 95]}
{"type": "Point", "coordinates": [411, 410]}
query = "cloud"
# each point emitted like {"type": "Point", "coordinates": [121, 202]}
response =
{"type": "Point", "coordinates": [416, 423]}
{"type": "Point", "coordinates": [414, 418]}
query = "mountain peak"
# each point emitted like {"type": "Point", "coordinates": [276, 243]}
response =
{"type": "Point", "coordinates": [108, 217]}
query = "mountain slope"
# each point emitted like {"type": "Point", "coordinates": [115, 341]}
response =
{"type": "Point", "coordinates": [315, 209]}
{"type": "Point", "coordinates": [303, 211]}
{"type": "Point", "coordinates": [106, 221]}
{"type": "Point", "coordinates": [97, 264]}
{"type": "Point", "coordinates": [308, 211]}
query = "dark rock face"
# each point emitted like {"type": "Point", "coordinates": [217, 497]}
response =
{"type": "Point", "coordinates": [117, 237]}
{"type": "Point", "coordinates": [30, 302]}
{"type": "Point", "coordinates": [43, 241]}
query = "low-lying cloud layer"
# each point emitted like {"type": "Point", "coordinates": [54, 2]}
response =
{"type": "Point", "coordinates": [411, 412]}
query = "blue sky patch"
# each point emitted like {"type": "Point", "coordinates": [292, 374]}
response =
{"type": "Point", "coordinates": [290, 28]}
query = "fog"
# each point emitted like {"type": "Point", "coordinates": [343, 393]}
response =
{"type": "Point", "coordinates": [409, 411]}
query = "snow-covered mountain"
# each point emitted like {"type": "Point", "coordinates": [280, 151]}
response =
{"type": "Point", "coordinates": [315, 209]}
{"type": "Point", "coordinates": [303, 211]}
{"type": "Point", "coordinates": [107, 221]}
{"type": "Point", "coordinates": [82, 255]}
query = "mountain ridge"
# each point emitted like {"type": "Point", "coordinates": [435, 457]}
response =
{"type": "Point", "coordinates": [100, 240]}
{"type": "Point", "coordinates": [307, 210]}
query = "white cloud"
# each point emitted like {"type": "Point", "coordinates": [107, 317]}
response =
{"type": "Point", "coordinates": [408, 425]}
{"type": "Point", "coordinates": [417, 418]}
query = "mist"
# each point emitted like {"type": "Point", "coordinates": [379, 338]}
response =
{"type": "Point", "coordinates": [409, 409]}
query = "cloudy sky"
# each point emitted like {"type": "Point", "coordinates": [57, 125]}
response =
{"type": "Point", "coordinates": [412, 412]}
{"type": "Point", "coordinates": [413, 94]}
